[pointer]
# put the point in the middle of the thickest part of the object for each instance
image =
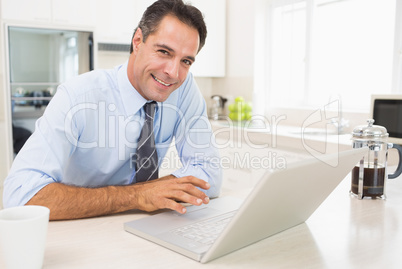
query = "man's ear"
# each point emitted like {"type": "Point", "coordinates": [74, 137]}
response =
{"type": "Point", "coordinates": [137, 39]}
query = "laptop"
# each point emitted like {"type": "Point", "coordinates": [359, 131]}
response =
{"type": "Point", "coordinates": [280, 200]}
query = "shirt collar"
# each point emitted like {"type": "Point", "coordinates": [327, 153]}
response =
{"type": "Point", "coordinates": [132, 100]}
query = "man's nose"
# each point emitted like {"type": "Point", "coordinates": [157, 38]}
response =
{"type": "Point", "coordinates": [172, 68]}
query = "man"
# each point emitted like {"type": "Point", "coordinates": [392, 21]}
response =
{"type": "Point", "coordinates": [78, 162]}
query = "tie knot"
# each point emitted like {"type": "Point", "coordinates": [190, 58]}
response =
{"type": "Point", "coordinates": [150, 108]}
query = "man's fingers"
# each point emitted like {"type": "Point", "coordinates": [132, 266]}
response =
{"type": "Point", "coordinates": [165, 193]}
{"type": "Point", "coordinates": [189, 198]}
{"type": "Point", "coordinates": [189, 193]}
{"type": "Point", "coordinates": [194, 181]}
{"type": "Point", "coordinates": [170, 204]}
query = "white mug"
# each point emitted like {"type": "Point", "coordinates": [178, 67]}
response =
{"type": "Point", "coordinates": [23, 231]}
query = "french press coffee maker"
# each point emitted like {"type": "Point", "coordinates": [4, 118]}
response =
{"type": "Point", "coordinates": [370, 174]}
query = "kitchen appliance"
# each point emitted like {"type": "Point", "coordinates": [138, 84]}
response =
{"type": "Point", "coordinates": [217, 107]}
{"type": "Point", "coordinates": [38, 60]}
{"type": "Point", "coordinates": [386, 110]}
{"type": "Point", "coordinates": [369, 176]}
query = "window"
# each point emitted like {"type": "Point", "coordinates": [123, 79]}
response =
{"type": "Point", "coordinates": [321, 50]}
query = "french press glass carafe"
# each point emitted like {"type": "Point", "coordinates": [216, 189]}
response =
{"type": "Point", "coordinates": [370, 174]}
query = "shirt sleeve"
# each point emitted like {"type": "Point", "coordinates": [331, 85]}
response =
{"type": "Point", "coordinates": [195, 141]}
{"type": "Point", "coordinates": [43, 157]}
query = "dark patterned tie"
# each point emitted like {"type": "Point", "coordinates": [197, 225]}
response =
{"type": "Point", "coordinates": [146, 159]}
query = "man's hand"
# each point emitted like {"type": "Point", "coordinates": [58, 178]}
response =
{"type": "Point", "coordinates": [168, 191]}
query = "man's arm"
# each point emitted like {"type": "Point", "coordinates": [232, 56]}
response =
{"type": "Point", "coordinates": [69, 202]}
{"type": "Point", "coordinates": [195, 141]}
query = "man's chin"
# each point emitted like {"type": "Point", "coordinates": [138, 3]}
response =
{"type": "Point", "coordinates": [161, 96]}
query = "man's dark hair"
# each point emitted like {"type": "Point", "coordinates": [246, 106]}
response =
{"type": "Point", "coordinates": [186, 13]}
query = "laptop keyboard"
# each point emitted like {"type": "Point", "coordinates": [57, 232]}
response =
{"type": "Point", "coordinates": [205, 232]}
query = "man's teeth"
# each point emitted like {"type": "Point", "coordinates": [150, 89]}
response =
{"type": "Point", "coordinates": [161, 82]}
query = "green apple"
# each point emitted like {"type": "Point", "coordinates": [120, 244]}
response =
{"type": "Point", "coordinates": [239, 99]}
{"type": "Point", "coordinates": [247, 107]}
{"type": "Point", "coordinates": [236, 116]}
{"type": "Point", "coordinates": [232, 108]}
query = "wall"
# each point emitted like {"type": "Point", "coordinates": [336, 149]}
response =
{"type": "Point", "coordinates": [110, 59]}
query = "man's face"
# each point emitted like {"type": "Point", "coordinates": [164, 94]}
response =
{"type": "Point", "coordinates": [160, 65]}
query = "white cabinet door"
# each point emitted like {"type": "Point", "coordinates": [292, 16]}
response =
{"type": "Point", "coordinates": [27, 10]}
{"type": "Point", "coordinates": [116, 21]}
{"type": "Point", "coordinates": [74, 12]}
{"type": "Point", "coordinates": [210, 62]}
{"type": "Point", "coordinates": [52, 12]}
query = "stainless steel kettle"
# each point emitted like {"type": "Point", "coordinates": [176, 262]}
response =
{"type": "Point", "coordinates": [217, 107]}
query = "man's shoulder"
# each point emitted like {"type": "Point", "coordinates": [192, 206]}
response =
{"type": "Point", "coordinates": [94, 82]}
{"type": "Point", "coordinates": [94, 78]}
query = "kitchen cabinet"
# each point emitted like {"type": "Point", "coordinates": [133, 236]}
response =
{"type": "Point", "coordinates": [210, 62]}
{"type": "Point", "coordinates": [50, 12]}
{"type": "Point", "coordinates": [74, 12]}
{"type": "Point", "coordinates": [117, 19]}
{"type": "Point", "coordinates": [26, 10]}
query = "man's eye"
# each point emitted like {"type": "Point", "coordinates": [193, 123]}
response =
{"type": "Point", "coordinates": [187, 62]}
{"type": "Point", "coordinates": [165, 52]}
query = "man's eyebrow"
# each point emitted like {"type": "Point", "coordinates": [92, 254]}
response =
{"type": "Point", "coordinates": [166, 47]}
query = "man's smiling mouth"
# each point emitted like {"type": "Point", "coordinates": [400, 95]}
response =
{"type": "Point", "coordinates": [160, 81]}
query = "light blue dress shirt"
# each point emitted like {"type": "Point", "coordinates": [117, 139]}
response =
{"type": "Point", "coordinates": [90, 130]}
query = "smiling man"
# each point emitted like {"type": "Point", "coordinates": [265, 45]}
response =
{"type": "Point", "coordinates": [79, 161]}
